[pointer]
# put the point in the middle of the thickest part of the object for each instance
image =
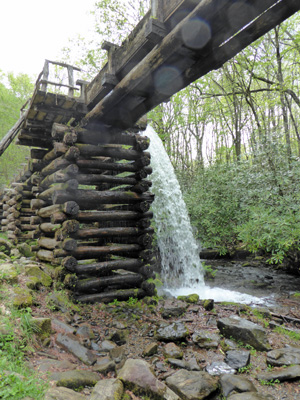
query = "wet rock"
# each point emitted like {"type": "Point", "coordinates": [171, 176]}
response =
{"type": "Point", "coordinates": [150, 349]}
{"type": "Point", "coordinates": [8, 273]}
{"type": "Point", "coordinates": [108, 389]}
{"type": "Point", "coordinates": [284, 356]}
{"type": "Point", "coordinates": [250, 396]}
{"type": "Point", "coordinates": [285, 374]}
{"type": "Point", "coordinates": [171, 350]}
{"type": "Point", "coordinates": [75, 379]}
{"type": "Point", "coordinates": [104, 365]}
{"type": "Point", "coordinates": [138, 376]}
{"type": "Point", "coordinates": [237, 358]}
{"type": "Point", "coordinates": [71, 344]}
{"type": "Point", "coordinates": [206, 339]}
{"type": "Point", "coordinates": [40, 277]}
{"type": "Point", "coordinates": [190, 299]}
{"type": "Point", "coordinates": [233, 383]}
{"type": "Point", "coordinates": [219, 368]}
{"type": "Point", "coordinates": [172, 332]}
{"type": "Point", "coordinates": [58, 325]}
{"type": "Point", "coordinates": [190, 365]}
{"type": "Point", "coordinates": [173, 308]}
{"type": "Point", "coordinates": [61, 393]}
{"type": "Point", "coordinates": [245, 331]}
{"type": "Point", "coordinates": [192, 385]}
{"type": "Point", "coordinates": [22, 298]}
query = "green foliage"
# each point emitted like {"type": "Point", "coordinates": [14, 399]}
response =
{"type": "Point", "coordinates": [292, 334]}
{"type": "Point", "coordinates": [209, 272]}
{"type": "Point", "coordinates": [272, 382]}
{"type": "Point", "coordinates": [245, 369]}
{"type": "Point", "coordinates": [16, 380]}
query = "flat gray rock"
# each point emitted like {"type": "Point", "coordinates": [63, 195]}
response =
{"type": "Point", "coordinates": [285, 374]}
{"type": "Point", "coordinates": [206, 339]}
{"type": "Point", "coordinates": [108, 389]}
{"type": "Point", "coordinates": [192, 385]}
{"type": "Point", "coordinates": [75, 379]}
{"type": "Point", "coordinates": [245, 331]}
{"type": "Point", "coordinates": [284, 356]}
{"type": "Point", "coordinates": [240, 384]}
{"type": "Point", "coordinates": [72, 344]}
{"type": "Point", "coordinates": [62, 326]}
{"type": "Point", "coordinates": [190, 365]}
{"type": "Point", "coordinates": [139, 377]}
{"type": "Point", "coordinates": [171, 350]}
{"type": "Point", "coordinates": [104, 365]}
{"type": "Point", "coordinates": [61, 393]}
{"type": "Point", "coordinates": [173, 308]}
{"type": "Point", "coordinates": [237, 358]}
{"type": "Point", "coordinates": [172, 332]}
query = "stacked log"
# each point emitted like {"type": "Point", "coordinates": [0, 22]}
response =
{"type": "Point", "coordinates": [93, 207]}
{"type": "Point", "coordinates": [16, 216]}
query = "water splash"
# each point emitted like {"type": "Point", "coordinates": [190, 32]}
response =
{"type": "Point", "coordinates": [181, 272]}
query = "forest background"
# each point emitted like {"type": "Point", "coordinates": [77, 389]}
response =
{"type": "Point", "coordinates": [233, 136]}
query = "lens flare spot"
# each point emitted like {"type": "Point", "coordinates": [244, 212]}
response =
{"type": "Point", "coordinates": [196, 33]}
{"type": "Point", "coordinates": [167, 80]}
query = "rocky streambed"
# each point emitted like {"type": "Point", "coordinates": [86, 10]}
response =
{"type": "Point", "coordinates": [153, 348]}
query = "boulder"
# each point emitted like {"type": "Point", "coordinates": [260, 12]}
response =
{"type": "Point", "coordinates": [244, 331]}
{"type": "Point", "coordinates": [8, 273]}
{"type": "Point", "coordinates": [206, 339]}
{"type": "Point", "coordinates": [234, 383]}
{"type": "Point", "coordinates": [75, 379]}
{"type": "Point", "coordinates": [108, 389]}
{"type": "Point", "coordinates": [171, 350]}
{"type": "Point", "coordinates": [192, 385]}
{"type": "Point", "coordinates": [41, 278]}
{"type": "Point", "coordinates": [285, 374]}
{"type": "Point", "coordinates": [173, 308]}
{"type": "Point", "coordinates": [138, 377]}
{"type": "Point", "coordinates": [176, 331]}
{"type": "Point", "coordinates": [61, 393]}
{"type": "Point", "coordinates": [22, 298]}
{"type": "Point", "coordinates": [150, 349]}
{"type": "Point", "coordinates": [284, 356]}
{"type": "Point", "coordinates": [104, 365]}
{"type": "Point", "coordinates": [72, 344]}
{"type": "Point", "coordinates": [237, 358]}
{"type": "Point", "coordinates": [190, 365]}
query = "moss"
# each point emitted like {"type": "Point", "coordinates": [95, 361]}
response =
{"type": "Point", "coordinates": [22, 298]}
{"type": "Point", "coordinates": [36, 272]}
{"type": "Point", "coordinates": [191, 298]}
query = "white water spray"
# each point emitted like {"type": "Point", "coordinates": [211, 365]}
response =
{"type": "Point", "coordinates": [182, 272]}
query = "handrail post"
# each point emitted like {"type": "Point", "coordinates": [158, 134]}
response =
{"type": "Point", "coordinates": [45, 76]}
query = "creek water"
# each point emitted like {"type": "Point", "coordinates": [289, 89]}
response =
{"type": "Point", "coordinates": [181, 269]}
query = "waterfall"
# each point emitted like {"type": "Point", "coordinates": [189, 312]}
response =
{"type": "Point", "coordinates": [181, 271]}
{"type": "Point", "coordinates": [178, 249]}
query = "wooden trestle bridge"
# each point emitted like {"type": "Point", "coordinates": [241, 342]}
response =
{"type": "Point", "coordinates": [84, 194]}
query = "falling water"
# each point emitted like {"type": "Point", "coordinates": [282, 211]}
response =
{"type": "Point", "coordinates": [182, 272]}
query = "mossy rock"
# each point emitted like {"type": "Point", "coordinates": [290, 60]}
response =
{"type": "Point", "coordinates": [191, 298]}
{"type": "Point", "coordinates": [8, 273]}
{"type": "Point", "coordinates": [22, 298]}
{"type": "Point", "coordinates": [42, 327]}
{"type": "Point", "coordinates": [61, 301]}
{"type": "Point", "coordinates": [40, 276]}
{"type": "Point", "coordinates": [25, 250]}
{"type": "Point", "coordinates": [5, 246]}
